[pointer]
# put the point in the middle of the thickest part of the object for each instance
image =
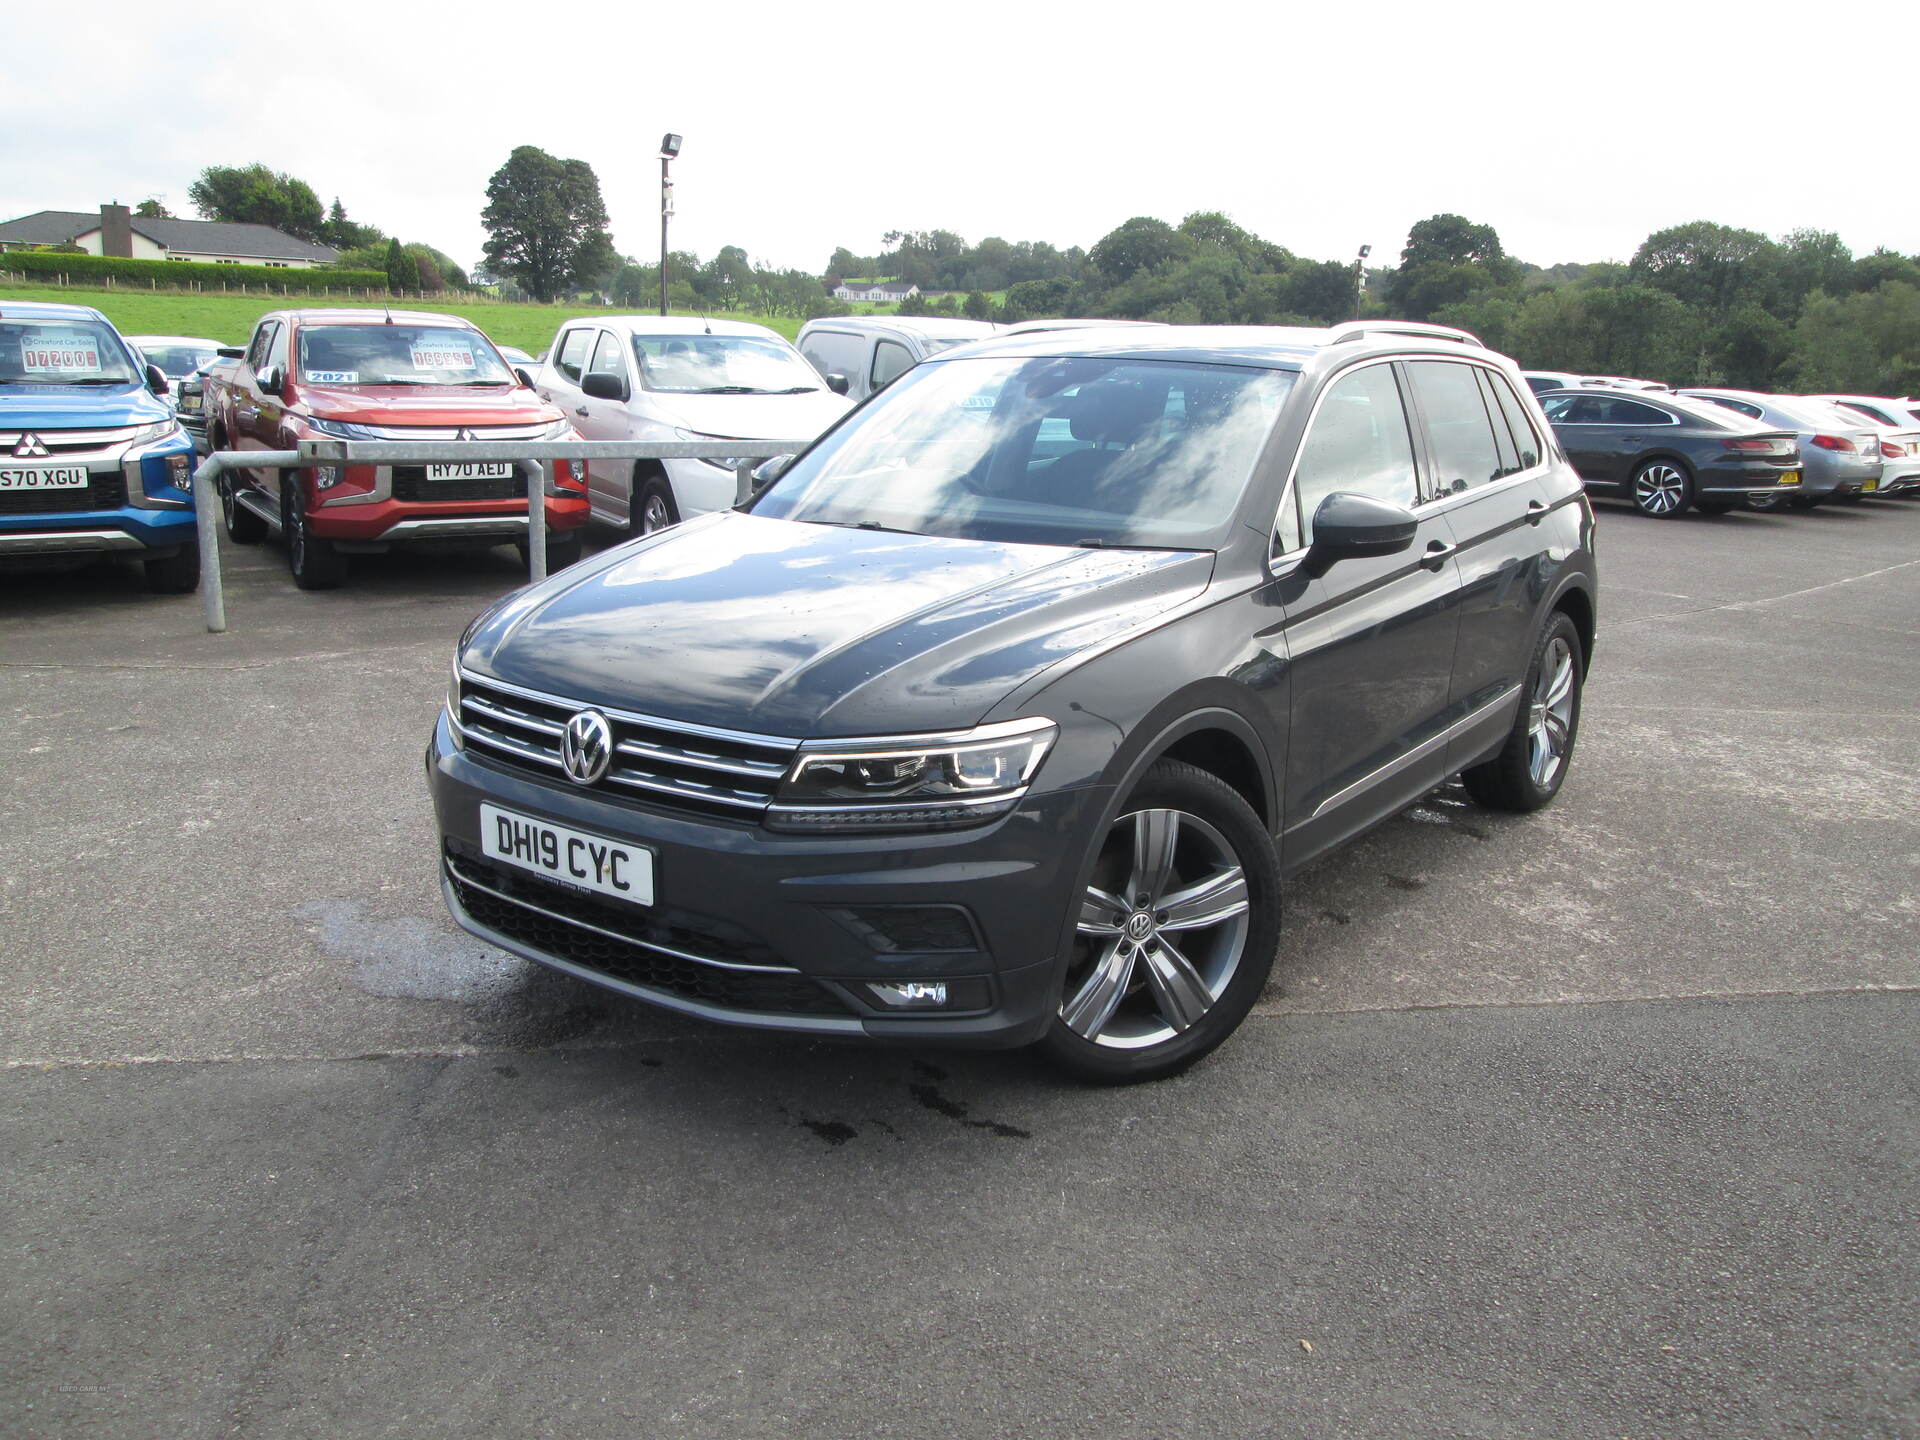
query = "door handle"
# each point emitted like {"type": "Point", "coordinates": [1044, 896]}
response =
{"type": "Point", "coordinates": [583, 414]}
{"type": "Point", "coordinates": [1536, 512]}
{"type": "Point", "coordinates": [1437, 552]}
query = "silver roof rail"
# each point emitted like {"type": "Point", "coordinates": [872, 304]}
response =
{"type": "Point", "coordinates": [1417, 329]}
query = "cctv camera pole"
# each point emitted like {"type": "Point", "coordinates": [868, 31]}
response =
{"type": "Point", "coordinates": [669, 147]}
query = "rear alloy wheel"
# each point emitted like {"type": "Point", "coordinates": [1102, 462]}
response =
{"type": "Point", "coordinates": [1177, 930]}
{"type": "Point", "coordinates": [1662, 489]}
{"type": "Point", "coordinates": [1530, 767]}
{"type": "Point", "coordinates": [315, 564]}
{"type": "Point", "coordinates": [652, 509]}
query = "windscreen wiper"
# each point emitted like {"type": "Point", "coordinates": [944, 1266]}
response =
{"type": "Point", "coordinates": [729, 390]}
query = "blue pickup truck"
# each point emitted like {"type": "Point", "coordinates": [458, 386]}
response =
{"type": "Point", "coordinates": [91, 458]}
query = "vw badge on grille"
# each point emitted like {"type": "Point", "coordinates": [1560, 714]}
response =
{"type": "Point", "coordinates": [31, 447]}
{"type": "Point", "coordinates": [586, 747]}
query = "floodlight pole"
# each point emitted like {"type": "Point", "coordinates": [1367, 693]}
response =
{"type": "Point", "coordinates": [669, 147]}
{"type": "Point", "coordinates": [1360, 278]}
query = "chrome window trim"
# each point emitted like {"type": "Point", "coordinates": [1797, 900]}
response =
{"type": "Point", "coordinates": [1438, 504]}
{"type": "Point", "coordinates": [1293, 467]}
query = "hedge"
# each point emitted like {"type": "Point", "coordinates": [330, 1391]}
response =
{"type": "Point", "coordinates": [190, 272]}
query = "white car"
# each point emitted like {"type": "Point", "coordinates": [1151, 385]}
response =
{"type": "Point", "coordinates": [861, 354]}
{"type": "Point", "coordinates": [668, 378]}
{"type": "Point", "coordinates": [1899, 426]}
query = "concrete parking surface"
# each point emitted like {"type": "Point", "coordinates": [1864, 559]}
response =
{"type": "Point", "coordinates": [1600, 1122]}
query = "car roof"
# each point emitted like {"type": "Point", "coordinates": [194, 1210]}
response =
{"type": "Point", "coordinates": [676, 325]}
{"type": "Point", "coordinates": [1273, 347]}
{"type": "Point", "coordinates": [931, 327]}
{"type": "Point", "coordinates": [1685, 405]}
{"type": "Point", "coordinates": [46, 310]}
{"type": "Point", "coordinates": [375, 317]}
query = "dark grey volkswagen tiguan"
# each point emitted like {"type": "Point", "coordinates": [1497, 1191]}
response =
{"type": "Point", "coordinates": [1000, 716]}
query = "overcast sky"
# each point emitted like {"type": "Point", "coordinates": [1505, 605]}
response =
{"type": "Point", "coordinates": [1573, 129]}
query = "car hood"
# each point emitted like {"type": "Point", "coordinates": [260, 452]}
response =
{"type": "Point", "coordinates": [424, 405]}
{"type": "Point", "coordinates": [782, 628]}
{"type": "Point", "coordinates": [72, 407]}
{"type": "Point", "coordinates": [752, 417]}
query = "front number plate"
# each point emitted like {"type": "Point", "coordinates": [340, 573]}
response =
{"type": "Point", "coordinates": [571, 857]}
{"type": "Point", "coordinates": [64, 477]}
{"type": "Point", "coordinates": [471, 470]}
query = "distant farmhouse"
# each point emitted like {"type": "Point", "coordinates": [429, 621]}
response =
{"type": "Point", "coordinates": [881, 290]}
{"type": "Point", "coordinates": [117, 231]}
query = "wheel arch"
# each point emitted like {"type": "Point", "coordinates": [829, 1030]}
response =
{"type": "Point", "coordinates": [1215, 739]}
{"type": "Point", "coordinates": [1576, 603]}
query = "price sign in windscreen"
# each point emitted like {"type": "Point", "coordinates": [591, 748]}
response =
{"type": "Point", "coordinates": [442, 350]}
{"type": "Point", "coordinates": [59, 353]}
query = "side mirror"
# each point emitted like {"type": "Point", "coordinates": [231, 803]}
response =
{"type": "Point", "coordinates": [837, 383]}
{"type": "Point", "coordinates": [157, 380]}
{"type": "Point", "coordinates": [523, 377]}
{"type": "Point", "coordinates": [1353, 527]}
{"type": "Point", "coordinates": [232, 352]}
{"type": "Point", "coordinates": [604, 387]}
{"type": "Point", "coordinates": [271, 381]}
{"type": "Point", "coordinates": [768, 471]}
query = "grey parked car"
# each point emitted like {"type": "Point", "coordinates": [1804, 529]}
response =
{"type": "Point", "coordinates": [1839, 453]}
{"type": "Point", "coordinates": [1000, 715]}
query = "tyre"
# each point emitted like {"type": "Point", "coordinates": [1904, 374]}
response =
{"type": "Point", "coordinates": [315, 564]}
{"type": "Point", "coordinates": [1531, 765]}
{"type": "Point", "coordinates": [1662, 489]}
{"type": "Point", "coordinates": [243, 526]}
{"type": "Point", "coordinates": [561, 552]}
{"type": "Point", "coordinates": [175, 574]}
{"type": "Point", "coordinates": [1176, 935]}
{"type": "Point", "coordinates": [651, 509]}
{"type": "Point", "coordinates": [1713, 507]}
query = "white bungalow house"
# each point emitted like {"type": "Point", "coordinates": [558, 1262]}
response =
{"type": "Point", "coordinates": [884, 291]}
{"type": "Point", "coordinates": [117, 231]}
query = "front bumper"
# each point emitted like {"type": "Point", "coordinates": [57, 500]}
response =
{"type": "Point", "coordinates": [387, 521]}
{"type": "Point", "coordinates": [752, 928]}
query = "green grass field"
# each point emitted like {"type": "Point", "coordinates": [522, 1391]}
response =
{"type": "Point", "coordinates": [230, 318]}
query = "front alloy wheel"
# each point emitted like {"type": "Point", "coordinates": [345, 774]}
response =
{"type": "Point", "coordinates": [1176, 931]}
{"type": "Point", "coordinates": [1661, 489]}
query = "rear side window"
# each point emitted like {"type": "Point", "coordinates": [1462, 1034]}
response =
{"type": "Point", "coordinates": [890, 361]}
{"type": "Point", "coordinates": [1632, 412]}
{"type": "Point", "coordinates": [1526, 439]}
{"type": "Point", "coordinates": [573, 353]}
{"type": "Point", "coordinates": [1872, 414]}
{"type": "Point", "coordinates": [1464, 452]}
{"type": "Point", "coordinates": [1358, 444]}
{"type": "Point", "coordinates": [1740, 406]}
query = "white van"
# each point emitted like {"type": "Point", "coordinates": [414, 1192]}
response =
{"type": "Point", "coordinates": [861, 354]}
{"type": "Point", "coordinates": [674, 377]}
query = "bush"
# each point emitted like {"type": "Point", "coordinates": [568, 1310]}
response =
{"type": "Point", "coordinates": [188, 272]}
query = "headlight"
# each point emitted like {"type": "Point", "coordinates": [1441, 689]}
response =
{"type": "Point", "coordinates": [559, 430]}
{"type": "Point", "coordinates": [728, 463]}
{"type": "Point", "coordinates": [147, 434]}
{"type": "Point", "coordinates": [913, 782]}
{"type": "Point", "coordinates": [340, 430]}
{"type": "Point", "coordinates": [453, 694]}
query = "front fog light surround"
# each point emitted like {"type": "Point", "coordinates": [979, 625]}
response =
{"type": "Point", "coordinates": [913, 782]}
{"type": "Point", "coordinates": [325, 477]}
{"type": "Point", "coordinates": [180, 473]}
{"type": "Point", "coordinates": [966, 994]}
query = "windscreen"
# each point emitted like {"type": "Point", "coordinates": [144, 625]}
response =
{"type": "Point", "coordinates": [178, 361]}
{"type": "Point", "coordinates": [399, 355]}
{"type": "Point", "coordinates": [62, 352]}
{"type": "Point", "coordinates": [1129, 452]}
{"type": "Point", "coordinates": [722, 365]}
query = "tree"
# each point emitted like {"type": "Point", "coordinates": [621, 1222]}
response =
{"type": "Point", "coordinates": [403, 271]}
{"type": "Point", "coordinates": [151, 208]}
{"type": "Point", "coordinates": [1713, 267]}
{"type": "Point", "coordinates": [1447, 259]}
{"type": "Point", "coordinates": [546, 223]}
{"type": "Point", "coordinates": [255, 195]}
{"type": "Point", "coordinates": [1142, 243]}
{"type": "Point", "coordinates": [978, 307]}
{"type": "Point", "coordinates": [343, 234]}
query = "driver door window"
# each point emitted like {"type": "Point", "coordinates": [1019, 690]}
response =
{"type": "Point", "coordinates": [262, 338]}
{"type": "Point", "coordinates": [1359, 444]}
{"type": "Point", "coordinates": [891, 360]}
{"type": "Point", "coordinates": [610, 358]}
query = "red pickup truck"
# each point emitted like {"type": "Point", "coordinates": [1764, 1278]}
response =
{"type": "Point", "coordinates": [374, 375]}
